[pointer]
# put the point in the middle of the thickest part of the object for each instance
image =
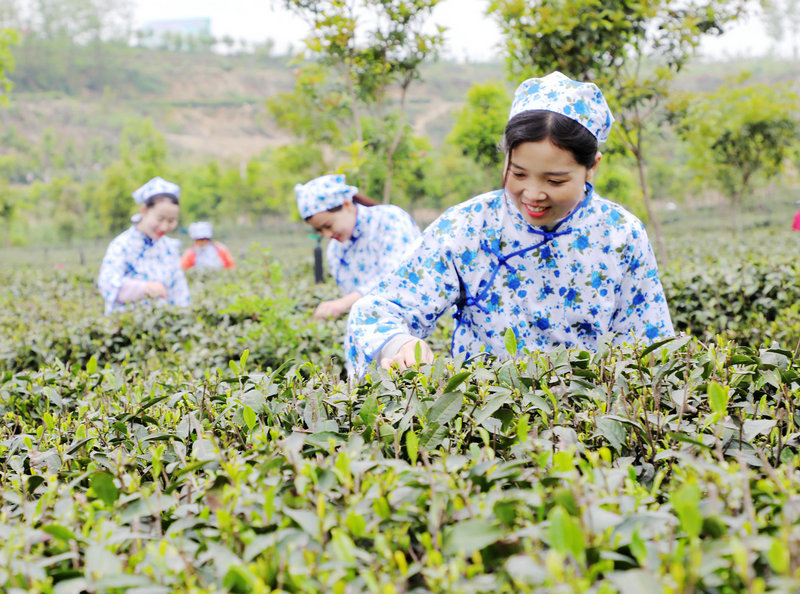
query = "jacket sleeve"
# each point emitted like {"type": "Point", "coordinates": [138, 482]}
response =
{"type": "Point", "coordinates": [178, 289]}
{"type": "Point", "coordinates": [225, 255]}
{"type": "Point", "coordinates": [188, 259]}
{"type": "Point", "coordinates": [642, 312]}
{"type": "Point", "coordinates": [112, 273]}
{"type": "Point", "coordinates": [409, 300]}
{"type": "Point", "coordinates": [395, 236]}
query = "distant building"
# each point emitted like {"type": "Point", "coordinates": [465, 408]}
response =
{"type": "Point", "coordinates": [166, 33]}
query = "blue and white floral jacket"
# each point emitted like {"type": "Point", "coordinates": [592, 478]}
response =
{"type": "Point", "coordinates": [381, 238]}
{"type": "Point", "coordinates": [132, 255]}
{"type": "Point", "coordinates": [594, 273]}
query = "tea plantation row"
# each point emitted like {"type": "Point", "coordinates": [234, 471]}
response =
{"type": "Point", "coordinates": [221, 449]}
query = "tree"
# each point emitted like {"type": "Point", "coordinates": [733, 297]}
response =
{"type": "Point", "coordinates": [142, 151]}
{"type": "Point", "coordinates": [375, 48]}
{"type": "Point", "coordinates": [8, 37]}
{"type": "Point", "coordinates": [782, 21]}
{"type": "Point", "coordinates": [739, 135]}
{"type": "Point", "coordinates": [479, 125]}
{"type": "Point", "coordinates": [631, 49]}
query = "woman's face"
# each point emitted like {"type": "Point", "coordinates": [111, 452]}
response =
{"type": "Point", "coordinates": [159, 219]}
{"type": "Point", "coordinates": [545, 182]}
{"type": "Point", "coordinates": [335, 224]}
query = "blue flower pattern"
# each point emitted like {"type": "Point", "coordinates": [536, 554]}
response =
{"type": "Point", "coordinates": [582, 102]}
{"type": "Point", "coordinates": [132, 255]}
{"type": "Point", "coordinates": [382, 236]}
{"type": "Point", "coordinates": [593, 273]}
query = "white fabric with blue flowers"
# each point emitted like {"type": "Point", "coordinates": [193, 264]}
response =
{"type": "Point", "coordinates": [132, 255]}
{"type": "Point", "coordinates": [581, 102]}
{"type": "Point", "coordinates": [594, 273]}
{"type": "Point", "coordinates": [154, 187]}
{"type": "Point", "coordinates": [323, 193]}
{"type": "Point", "coordinates": [382, 236]}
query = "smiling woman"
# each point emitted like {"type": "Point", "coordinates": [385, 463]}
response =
{"type": "Point", "coordinates": [367, 240]}
{"type": "Point", "coordinates": [544, 257]}
{"type": "Point", "coordinates": [142, 264]}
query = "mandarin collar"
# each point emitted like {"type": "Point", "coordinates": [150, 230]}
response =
{"type": "Point", "coordinates": [145, 238]}
{"type": "Point", "coordinates": [523, 225]}
{"type": "Point", "coordinates": [358, 229]}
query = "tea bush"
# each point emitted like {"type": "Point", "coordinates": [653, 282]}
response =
{"type": "Point", "coordinates": [220, 447]}
{"type": "Point", "coordinates": [672, 467]}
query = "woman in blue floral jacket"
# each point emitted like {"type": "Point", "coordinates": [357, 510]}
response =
{"type": "Point", "coordinates": [367, 240]}
{"type": "Point", "coordinates": [142, 264]}
{"type": "Point", "coordinates": [545, 256]}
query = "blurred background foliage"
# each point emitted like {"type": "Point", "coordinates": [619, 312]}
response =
{"type": "Point", "coordinates": [95, 108]}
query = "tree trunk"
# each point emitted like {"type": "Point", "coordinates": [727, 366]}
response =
{"type": "Point", "coordinates": [660, 244]}
{"type": "Point", "coordinates": [392, 148]}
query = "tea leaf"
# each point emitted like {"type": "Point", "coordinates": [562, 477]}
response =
{"type": "Point", "coordinates": [412, 446]}
{"type": "Point", "coordinates": [102, 483]}
{"type": "Point", "coordinates": [470, 535]}
{"type": "Point", "coordinates": [718, 398]}
{"type": "Point", "coordinates": [510, 339]}
{"type": "Point", "coordinates": [686, 503]}
{"type": "Point", "coordinates": [249, 416]}
{"type": "Point", "coordinates": [445, 408]}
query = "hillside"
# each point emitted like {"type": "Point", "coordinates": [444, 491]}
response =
{"type": "Point", "coordinates": [208, 106]}
{"type": "Point", "coordinates": [211, 106]}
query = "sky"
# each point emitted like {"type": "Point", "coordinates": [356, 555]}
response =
{"type": "Point", "coordinates": [470, 35]}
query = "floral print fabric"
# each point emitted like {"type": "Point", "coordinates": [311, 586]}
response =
{"type": "Point", "coordinates": [381, 238]}
{"type": "Point", "coordinates": [323, 193]}
{"type": "Point", "coordinates": [582, 102]}
{"type": "Point", "coordinates": [155, 186]}
{"type": "Point", "coordinates": [594, 273]}
{"type": "Point", "coordinates": [132, 255]}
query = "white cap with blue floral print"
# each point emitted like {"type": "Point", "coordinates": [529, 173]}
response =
{"type": "Point", "coordinates": [154, 187]}
{"type": "Point", "coordinates": [323, 193]}
{"type": "Point", "coordinates": [201, 230]}
{"type": "Point", "coordinates": [582, 102]}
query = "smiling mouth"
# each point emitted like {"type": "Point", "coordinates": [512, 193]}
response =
{"type": "Point", "coordinates": [536, 211]}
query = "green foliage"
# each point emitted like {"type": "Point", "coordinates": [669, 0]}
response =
{"type": "Point", "coordinates": [630, 49]}
{"type": "Point", "coordinates": [242, 477]}
{"type": "Point", "coordinates": [480, 123]}
{"type": "Point", "coordinates": [750, 300]}
{"type": "Point", "coordinates": [412, 163]}
{"type": "Point", "coordinates": [219, 447]}
{"type": "Point", "coordinates": [315, 111]}
{"type": "Point", "coordinates": [256, 313]}
{"type": "Point", "coordinates": [740, 135]}
{"type": "Point", "coordinates": [8, 37]}
{"type": "Point", "coordinates": [359, 73]}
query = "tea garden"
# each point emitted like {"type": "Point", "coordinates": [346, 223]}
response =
{"type": "Point", "coordinates": [222, 449]}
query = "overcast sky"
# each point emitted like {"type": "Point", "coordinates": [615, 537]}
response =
{"type": "Point", "coordinates": [470, 34]}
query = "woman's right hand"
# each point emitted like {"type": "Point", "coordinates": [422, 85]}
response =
{"type": "Point", "coordinates": [155, 289]}
{"type": "Point", "coordinates": [406, 355]}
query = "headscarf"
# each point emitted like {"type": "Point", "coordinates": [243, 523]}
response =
{"type": "Point", "coordinates": [581, 102]}
{"type": "Point", "coordinates": [323, 193]}
{"type": "Point", "coordinates": [201, 230]}
{"type": "Point", "coordinates": [156, 186]}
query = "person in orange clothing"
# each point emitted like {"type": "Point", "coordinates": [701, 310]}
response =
{"type": "Point", "coordinates": [204, 252]}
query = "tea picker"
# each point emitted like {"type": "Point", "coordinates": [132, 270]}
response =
{"type": "Point", "coordinates": [367, 240]}
{"type": "Point", "coordinates": [142, 264]}
{"type": "Point", "coordinates": [205, 253]}
{"type": "Point", "coordinates": [544, 257]}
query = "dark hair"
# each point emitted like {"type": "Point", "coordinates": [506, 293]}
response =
{"type": "Point", "coordinates": [357, 199]}
{"type": "Point", "coordinates": [156, 198]}
{"type": "Point", "coordinates": [565, 133]}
